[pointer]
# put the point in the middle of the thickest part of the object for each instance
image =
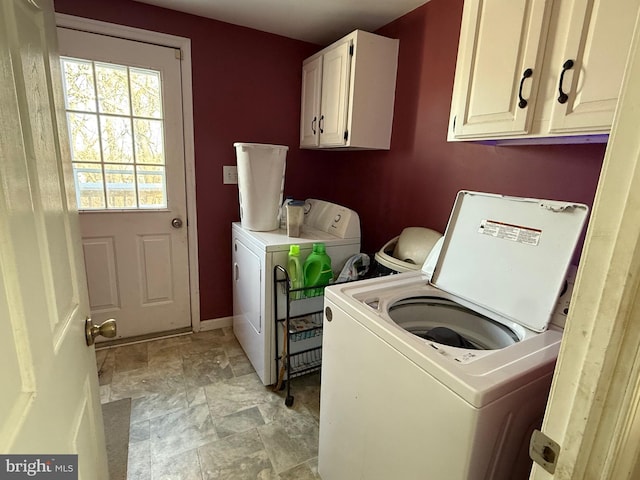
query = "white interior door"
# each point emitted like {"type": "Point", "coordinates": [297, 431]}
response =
{"type": "Point", "coordinates": [124, 110]}
{"type": "Point", "coordinates": [49, 398]}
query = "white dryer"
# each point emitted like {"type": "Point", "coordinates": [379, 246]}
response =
{"type": "Point", "coordinates": [254, 256]}
{"type": "Point", "coordinates": [442, 374]}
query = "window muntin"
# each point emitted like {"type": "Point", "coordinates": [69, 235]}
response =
{"type": "Point", "coordinates": [116, 131]}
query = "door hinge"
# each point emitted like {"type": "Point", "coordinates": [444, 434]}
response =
{"type": "Point", "coordinates": [544, 451]}
{"type": "Point", "coordinates": [346, 135]}
{"type": "Point", "coordinates": [351, 50]}
{"type": "Point", "coordinates": [178, 53]}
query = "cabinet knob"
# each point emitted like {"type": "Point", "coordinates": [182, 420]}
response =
{"type": "Point", "coordinates": [526, 74]}
{"type": "Point", "coordinates": [563, 97]}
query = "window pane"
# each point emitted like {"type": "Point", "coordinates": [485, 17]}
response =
{"type": "Point", "coordinates": [83, 135]}
{"type": "Point", "coordinates": [151, 187]}
{"type": "Point", "coordinates": [149, 141]}
{"type": "Point", "coordinates": [113, 89]}
{"type": "Point", "coordinates": [145, 93]}
{"type": "Point", "coordinates": [89, 186]}
{"type": "Point", "coordinates": [79, 87]}
{"type": "Point", "coordinates": [121, 188]}
{"type": "Point", "coordinates": [117, 146]}
{"type": "Point", "coordinates": [116, 130]}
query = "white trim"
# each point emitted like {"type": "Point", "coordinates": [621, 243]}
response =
{"type": "Point", "coordinates": [184, 44]}
{"type": "Point", "coordinates": [216, 323]}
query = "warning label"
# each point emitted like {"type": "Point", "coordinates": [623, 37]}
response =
{"type": "Point", "coordinates": [515, 233]}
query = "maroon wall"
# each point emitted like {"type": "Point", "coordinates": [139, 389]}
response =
{"type": "Point", "coordinates": [246, 87]}
{"type": "Point", "coordinates": [416, 181]}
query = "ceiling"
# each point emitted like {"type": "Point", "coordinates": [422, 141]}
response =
{"type": "Point", "coordinates": [316, 21]}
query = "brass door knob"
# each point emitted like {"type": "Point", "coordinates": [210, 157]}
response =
{"type": "Point", "coordinates": [107, 329]}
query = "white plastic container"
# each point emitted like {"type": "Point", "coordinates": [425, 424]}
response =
{"type": "Point", "coordinates": [295, 218]}
{"type": "Point", "coordinates": [261, 170]}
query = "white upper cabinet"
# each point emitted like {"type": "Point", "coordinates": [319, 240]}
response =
{"type": "Point", "coordinates": [335, 95]}
{"type": "Point", "coordinates": [348, 92]}
{"type": "Point", "coordinates": [539, 68]}
{"type": "Point", "coordinates": [598, 55]}
{"type": "Point", "coordinates": [499, 66]}
{"type": "Point", "coordinates": [311, 80]}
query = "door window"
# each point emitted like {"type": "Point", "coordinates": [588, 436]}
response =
{"type": "Point", "coordinates": [116, 130]}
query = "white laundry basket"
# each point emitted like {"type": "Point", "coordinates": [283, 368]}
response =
{"type": "Point", "coordinates": [261, 170]}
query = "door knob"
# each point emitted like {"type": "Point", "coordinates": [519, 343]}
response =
{"type": "Point", "coordinates": [176, 223]}
{"type": "Point", "coordinates": [107, 329]}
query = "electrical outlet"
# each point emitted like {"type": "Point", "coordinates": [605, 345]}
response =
{"type": "Point", "coordinates": [229, 174]}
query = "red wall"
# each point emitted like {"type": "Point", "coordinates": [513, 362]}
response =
{"type": "Point", "coordinates": [415, 183]}
{"type": "Point", "coordinates": [246, 87]}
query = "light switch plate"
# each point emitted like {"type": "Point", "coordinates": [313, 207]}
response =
{"type": "Point", "coordinates": [229, 174]}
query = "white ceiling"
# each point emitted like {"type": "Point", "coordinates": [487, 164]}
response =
{"type": "Point", "coordinates": [315, 21]}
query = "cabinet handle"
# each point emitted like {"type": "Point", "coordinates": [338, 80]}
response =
{"type": "Point", "coordinates": [526, 74]}
{"type": "Point", "coordinates": [568, 65]}
{"type": "Point", "coordinates": [321, 124]}
{"type": "Point", "coordinates": [313, 125]}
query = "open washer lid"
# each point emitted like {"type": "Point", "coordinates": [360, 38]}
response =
{"type": "Point", "coordinates": [509, 255]}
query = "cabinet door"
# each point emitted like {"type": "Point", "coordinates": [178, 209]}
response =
{"type": "Point", "coordinates": [597, 41]}
{"type": "Point", "coordinates": [335, 95]}
{"type": "Point", "coordinates": [499, 41]}
{"type": "Point", "coordinates": [310, 112]}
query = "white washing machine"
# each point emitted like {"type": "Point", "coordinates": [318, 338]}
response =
{"type": "Point", "coordinates": [255, 254]}
{"type": "Point", "coordinates": [442, 374]}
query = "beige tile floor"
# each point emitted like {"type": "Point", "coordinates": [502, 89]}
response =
{"type": "Point", "coordinates": [200, 412]}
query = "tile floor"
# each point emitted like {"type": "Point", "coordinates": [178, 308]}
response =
{"type": "Point", "coordinates": [200, 412]}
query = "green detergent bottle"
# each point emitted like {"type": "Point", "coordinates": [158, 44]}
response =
{"type": "Point", "coordinates": [317, 270]}
{"type": "Point", "coordinates": [294, 269]}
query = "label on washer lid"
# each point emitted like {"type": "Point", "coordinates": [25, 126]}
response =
{"type": "Point", "coordinates": [515, 233]}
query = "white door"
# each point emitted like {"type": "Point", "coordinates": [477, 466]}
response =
{"type": "Point", "coordinates": [49, 398]}
{"type": "Point", "coordinates": [594, 405]}
{"type": "Point", "coordinates": [124, 110]}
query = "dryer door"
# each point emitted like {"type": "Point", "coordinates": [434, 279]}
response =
{"type": "Point", "coordinates": [247, 283]}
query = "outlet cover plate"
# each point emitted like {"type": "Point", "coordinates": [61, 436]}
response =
{"type": "Point", "coordinates": [229, 175]}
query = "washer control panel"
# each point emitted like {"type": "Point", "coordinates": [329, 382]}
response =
{"type": "Point", "coordinates": [332, 218]}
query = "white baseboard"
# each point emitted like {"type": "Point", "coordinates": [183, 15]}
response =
{"type": "Point", "coordinates": [215, 323]}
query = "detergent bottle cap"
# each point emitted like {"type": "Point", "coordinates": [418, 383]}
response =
{"type": "Point", "coordinates": [294, 249]}
{"type": "Point", "coordinates": [319, 248]}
